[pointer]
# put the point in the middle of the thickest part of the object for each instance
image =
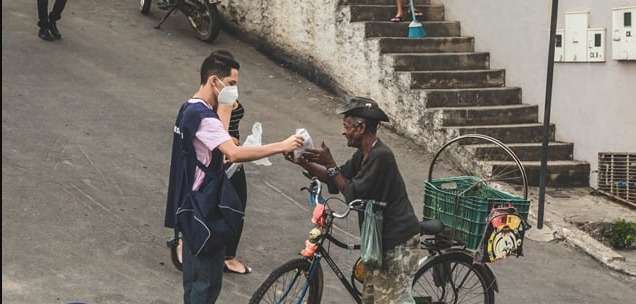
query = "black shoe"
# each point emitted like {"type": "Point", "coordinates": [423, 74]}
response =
{"type": "Point", "coordinates": [44, 34]}
{"type": "Point", "coordinates": [54, 31]}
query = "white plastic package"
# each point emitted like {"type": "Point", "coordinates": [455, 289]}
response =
{"type": "Point", "coordinates": [308, 144]}
{"type": "Point", "coordinates": [255, 140]}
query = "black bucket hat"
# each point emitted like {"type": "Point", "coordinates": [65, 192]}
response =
{"type": "Point", "coordinates": [362, 107]}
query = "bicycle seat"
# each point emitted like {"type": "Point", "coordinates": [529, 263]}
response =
{"type": "Point", "coordinates": [431, 227]}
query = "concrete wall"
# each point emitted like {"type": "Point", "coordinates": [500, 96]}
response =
{"type": "Point", "coordinates": [593, 105]}
{"type": "Point", "coordinates": [315, 32]}
{"type": "Point", "coordinates": [319, 34]}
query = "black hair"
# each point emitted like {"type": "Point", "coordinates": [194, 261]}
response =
{"type": "Point", "coordinates": [220, 63]}
{"type": "Point", "coordinates": [371, 124]}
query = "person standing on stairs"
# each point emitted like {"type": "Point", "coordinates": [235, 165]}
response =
{"type": "Point", "coordinates": [48, 22]}
{"type": "Point", "coordinates": [399, 14]}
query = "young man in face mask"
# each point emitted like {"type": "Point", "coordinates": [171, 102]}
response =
{"type": "Point", "coordinates": [199, 143]}
{"type": "Point", "coordinates": [372, 174]}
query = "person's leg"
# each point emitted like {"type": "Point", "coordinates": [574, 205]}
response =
{"type": "Point", "coordinates": [399, 5]}
{"type": "Point", "coordinates": [43, 13]}
{"type": "Point", "coordinates": [239, 182]}
{"type": "Point", "coordinates": [43, 20]}
{"type": "Point", "coordinates": [188, 273]}
{"type": "Point", "coordinates": [56, 13]}
{"type": "Point", "coordinates": [368, 291]}
{"type": "Point", "coordinates": [399, 11]}
{"type": "Point", "coordinates": [394, 283]}
{"type": "Point", "coordinates": [208, 277]}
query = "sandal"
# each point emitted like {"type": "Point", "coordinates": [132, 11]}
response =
{"type": "Point", "coordinates": [228, 270]}
{"type": "Point", "coordinates": [396, 19]}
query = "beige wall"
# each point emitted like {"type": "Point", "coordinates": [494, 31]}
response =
{"type": "Point", "coordinates": [593, 104]}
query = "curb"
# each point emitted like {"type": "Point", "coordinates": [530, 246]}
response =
{"type": "Point", "coordinates": [597, 250]}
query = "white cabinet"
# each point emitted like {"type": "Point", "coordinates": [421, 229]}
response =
{"type": "Point", "coordinates": [575, 37]}
{"type": "Point", "coordinates": [596, 45]}
{"type": "Point", "coordinates": [623, 42]}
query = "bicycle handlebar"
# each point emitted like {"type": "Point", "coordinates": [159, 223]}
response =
{"type": "Point", "coordinates": [350, 206]}
{"type": "Point", "coordinates": [316, 190]}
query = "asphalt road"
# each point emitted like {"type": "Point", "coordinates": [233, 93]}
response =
{"type": "Point", "coordinates": [86, 134]}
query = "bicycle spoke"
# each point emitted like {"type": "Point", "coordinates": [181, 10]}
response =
{"type": "Point", "coordinates": [461, 296]}
{"type": "Point", "coordinates": [286, 288]}
{"type": "Point", "coordinates": [459, 283]}
{"type": "Point", "coordinates": [504, 173]}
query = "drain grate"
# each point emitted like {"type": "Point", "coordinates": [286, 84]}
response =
{"type": "Point", "coordinates": [617, 175]}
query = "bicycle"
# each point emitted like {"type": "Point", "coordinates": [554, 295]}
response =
{"type": "Point", "coordinates": [202, 15]}
{"type": "Point", "coordinates": [439, 279]}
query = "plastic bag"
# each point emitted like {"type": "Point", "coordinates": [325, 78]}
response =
{"type": "Point", "coordinates": [308, 143]}
{"type": "Point", "coordinates": [371, 243]}
{"type": "Point", "coordinates": [254, 140]}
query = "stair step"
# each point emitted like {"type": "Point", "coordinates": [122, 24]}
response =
{"type": "Point", "coordinates": [517, 133]}
{"type": "Point", "coordinates": [471, 116]}
{"type": "Point", "coordinates": [440, 61]}
{"type": "Point", "coordinates": [473, 97]}
{"type": "Point", "coordinates": [381, 2]}
{"type": "Point", "coordinates": [401, 29]}
{"type": "Point", "coordinates": [426, 45]}
{"type": "Point", "coordinates": [561, 173]}
{"type": "Point", "coordinates": [525, 151]}
{"type": "Point", "coordinates": [386, 12]}
{"type": "Point", "coordinates": [457, 79]}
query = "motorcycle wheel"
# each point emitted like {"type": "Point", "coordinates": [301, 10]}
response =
{"type": "Point", "coordinates": [144, 6]}
{"type": "Point", "coordinates": [206, 23]}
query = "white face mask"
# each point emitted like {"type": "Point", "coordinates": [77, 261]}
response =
{"type": "Point", "coordinates": [228, 95]}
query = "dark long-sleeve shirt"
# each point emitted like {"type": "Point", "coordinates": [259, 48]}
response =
{"type": "Point", "coordinates": [378, 178]}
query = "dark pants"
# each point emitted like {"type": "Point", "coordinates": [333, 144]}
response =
{"type": "Point", "coordinates": [239, 182]}
{"type": "Point", "coordinates": [43, 12]}
{"type": "Point", "coordinates": [202, 276]}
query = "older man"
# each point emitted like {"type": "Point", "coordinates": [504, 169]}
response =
{"type": "Point", "coordinates": [372, 173]}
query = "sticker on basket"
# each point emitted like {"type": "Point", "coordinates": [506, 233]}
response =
{"type": "Point", "coordinates": [503, 236]}
{"type": "Point", "coordinates": [448, 186]}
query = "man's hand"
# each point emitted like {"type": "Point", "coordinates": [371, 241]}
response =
{"type": "Point", "coordinates": [301, 161]}
{"type": "Point", "coordinates": [320, 156]}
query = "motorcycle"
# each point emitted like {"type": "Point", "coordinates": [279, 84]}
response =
{"type": "Point", "coordinates": [202, 15]}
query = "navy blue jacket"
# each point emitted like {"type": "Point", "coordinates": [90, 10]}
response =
{"type": "Point", "coordinates": [215, 204]}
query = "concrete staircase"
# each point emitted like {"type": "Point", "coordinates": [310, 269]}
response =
{"type": "Point", "coordinates": [464, 94]}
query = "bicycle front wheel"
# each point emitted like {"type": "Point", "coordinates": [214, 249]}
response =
{"type": "Point", "coordinates": [286, 284]}
{"type": "Point", "coordinates": [452, 278]}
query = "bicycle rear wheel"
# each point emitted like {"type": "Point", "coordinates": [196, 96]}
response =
{"type": "Point", "coordinates": [501, 166]}
{"type": "Point", "coordinates": [286, 283]}
{"type": "Point", "coordinates": [452, 278]}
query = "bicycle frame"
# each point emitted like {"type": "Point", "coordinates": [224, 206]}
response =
{"type": "Point", "coordinates": [322, 253]}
